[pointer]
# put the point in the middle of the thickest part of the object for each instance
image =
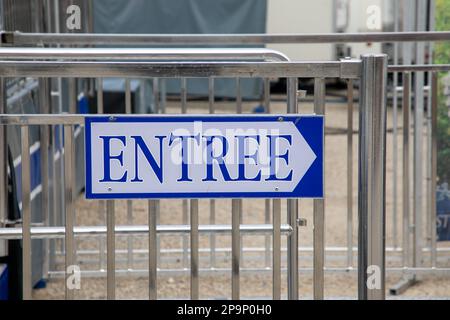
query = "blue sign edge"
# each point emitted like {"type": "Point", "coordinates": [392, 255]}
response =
{"type": "Point", "coordinates": [311, 128]}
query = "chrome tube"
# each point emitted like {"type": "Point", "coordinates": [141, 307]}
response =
{"type": "Point", "coordinates": [20, 38]}
{"type": "Point", "coordinates": [292, 209]}
{"type": "Point", "coordinates": [194, 250]}
{"type": "Point", "coordinates": [371, 188]}
{"type": "Point", "coordinates": [406, 168]}
{"type": "Point", "coordinates": [319, 206]}
{"type": "Point", "coordinates": [349, 173]}
{"type": "Point", "coordinates": [69, 206]}
{"type": "Point", "coordinates": [434, 164]}
{"type": "Point", "coordinates": [110, 250]}
{"type": "Point", "coordinates": [152, 249]}
{"type": "Point", "coordinates": [26, 216]}
{"type": "Point", "coordinates": [276, 250]}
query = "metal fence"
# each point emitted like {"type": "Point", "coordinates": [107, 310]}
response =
{"type": "Point", "coordinates": [371, 71]}
{"type": "Point", "coordinates": [416, 245]}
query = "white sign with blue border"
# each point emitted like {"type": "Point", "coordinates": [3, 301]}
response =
{"type": "Point", "coordinates": [217, 156]}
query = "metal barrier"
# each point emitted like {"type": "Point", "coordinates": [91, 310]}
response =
{"type": "Point", "coordinates": [393, 251]}
{"type": "Point", "coordinates": [417, 241]}
{"type": "Point", "coordinates": [372, 72]}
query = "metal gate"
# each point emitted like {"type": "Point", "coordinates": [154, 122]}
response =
{"type": "Point", "coordinates": [370, 71]}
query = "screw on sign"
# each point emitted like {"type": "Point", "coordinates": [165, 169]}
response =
{"type": "Point", "coordinates": [204, 157]}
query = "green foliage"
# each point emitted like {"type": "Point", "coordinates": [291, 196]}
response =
{"type": "Point", "coordinates": [442, 23]}
{"type": "Point", "coordinates": [442, 55]}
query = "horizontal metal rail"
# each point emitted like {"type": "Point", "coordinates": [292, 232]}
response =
{"type": "Point", "coordinates": [215, 271]}
{"type": "Point", "coordinates": [304, 249]}
{"type": "Point", "coordinates": [179, 54]}
{"type": "Point", "coordinates": [19, 38]}
{"type": "Point", "coordinates": [419, 67]}
{"type": "Point", "coordinates": [74, 119]}
{"type": "Point", "coordinates": [82, 69]}
{"type": "Point", "coordinates": [59, 232]}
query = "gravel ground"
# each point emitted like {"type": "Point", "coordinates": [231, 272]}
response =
{"type": "Point", "coordinates": [253, 285]}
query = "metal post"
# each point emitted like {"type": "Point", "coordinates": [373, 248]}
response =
{"type": "Point", "coordinates": [276, 249]}
{"type": "Point", "coordinates": [267, 207]}
{"type": "Point", "coordinates": [350, 173]}
{"type": "Point", "coordinates": [100, 110]}
{"type": "Point", "coordinates": [292, 210]}
{"type": "Point", "coordinates": [395, 132]}
{"type": "Point", "coordinates": [3, 159]}
{"type": "Point", "coordinates": [434, 116]}
{"type": "Point", "coordinates": [44, 101]}
{"type": "Point", "coordinates": [69, 207]}
{"type": "Point", "coordinates": [26, 216]}
{"type": "Point", "coordinates": [55, 198]}
{"type": "Point", "coordinates": [72, 83]}
{"type": "Point", "coordinates": [110, 251]}
{"type": "Point", "coordinates": [194, 249]}
{"type": "Point", "coordinates": [405, 174]}
{"type": "Point", "coordinates": [212, 202]}
{"type": "Point", "coordinates": [152, 249]}
{"type": "Point", "coordinates": [394, 139]}
{"type": "Point", "coordinates": [429, 204]}
{"type": "Point", "coordinates": [418, 139]}
{"type": "Point", "coordinates": [238, 202]}
{"type": "Point", "coordinates": [319, 206]}
{"type": "Point", "coordinates": [129, 202]}
{"type": "Point", "coordinates": [371, 193]}
{"type": "Point", "coordinates": [156, 95]}
{"type": "Point", "coordinates": [185, 203]}
{"type": "Point", "coordinates": [235, 247]}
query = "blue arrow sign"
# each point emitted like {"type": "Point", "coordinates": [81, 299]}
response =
{"type": "Point", "coordinates": [217, 156]}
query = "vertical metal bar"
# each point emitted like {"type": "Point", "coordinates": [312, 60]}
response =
{"type": "Point", "coordinates": [408, 14]}
{"type": "Point", "coordinates": [418, 138]}
{"type": "Point", "coordinates": [60, 190]}
{"type": "Point", "coordinates": [267, 237]}
{"type": "Point", "coordinates": [212, 202]}
{"type": "Point", "coordinates": [276, 249]}
{"type": "Point", "coordinates": [267, 207]}
{"type": "Point", "coordinates": [434, 116]}
{"type": "Point", "coordinates": [429, 197]}
{"type": "Point", "coordinates": [371, 188]}
{"type": "Point", "coordinates": [55, 197]}
{"type": "Point", "coordinates": [194, 250]}
{"type": "Point", "coordinates": [26, 215]}
{"type": "Point", "coordinates": [127, 96]}
{"type": "Point", "coordinates": [163, 95]}
{"type": "Point", "coordinates": [405, 174]}
{"type": "Point", "coordinates": [72, 82]}
{"type": "Point", "coordinates": [350, 173]}
{"type": "Point", "coordinates": [239, 201]}
{"type": "Point", "coordinates": [395, 132]}
{"type": "Point", "coordinates": [238, 96]}
{"type": "Point", "coordinates": [69, 207]}
{"type": "Point", "coordinates": [319, 206]}
{"type": "Point", "coordinates": [44, 101]}
{"type": "Point", "coordinates": [235, 247]}
{"type": "Point", "coordinates": [156, 95]}
{"type": "Point", "coordinates": [185, 206]}
{"type": "Point", "coordinates": [292, 210]}
{"type": "Point", "coordinates": [101, 241]}
{"type": "Point", "coordinates": [110, 251]}
{"type": "Point", "coordinates": [152, 249]}
{"type": "Point", "coordinates": [129, 202]}
{"type": "Point", "coordinates": [3, 159]}
{"type": "Point", "coordinates": [100, 109]}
